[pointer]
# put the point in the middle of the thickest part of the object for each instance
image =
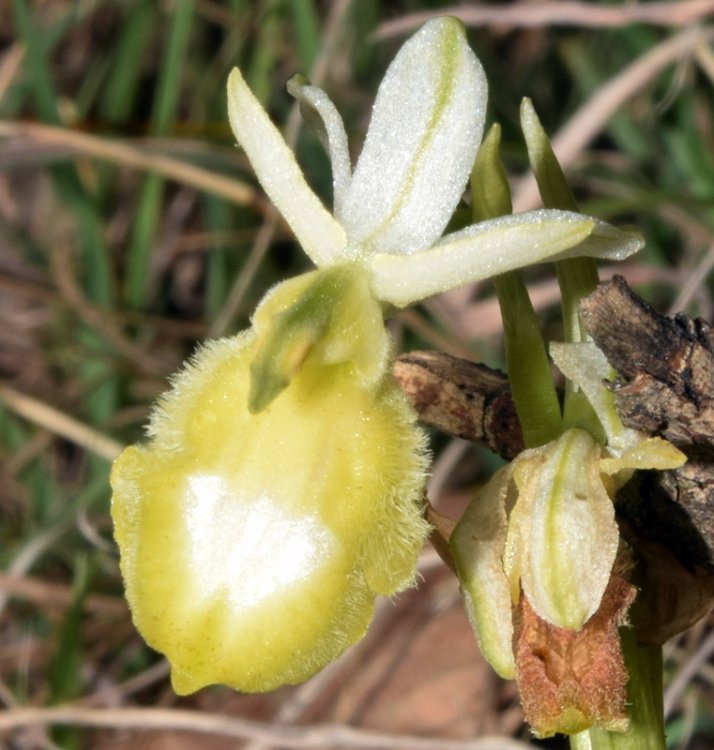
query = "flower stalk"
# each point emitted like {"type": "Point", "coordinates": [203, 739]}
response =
{"type": "Point", "coordinates": [530, 378]}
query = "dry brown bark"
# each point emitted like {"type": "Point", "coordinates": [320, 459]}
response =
{"type": "Point", "coordinates": [664, 386]}
{"type": "Point", "coordinates": [462, 399]}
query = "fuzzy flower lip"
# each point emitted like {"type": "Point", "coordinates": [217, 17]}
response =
{"type": "Point", "coordinates": [253, 543]}
{"type": "Point", "coordinates": [391, 211]}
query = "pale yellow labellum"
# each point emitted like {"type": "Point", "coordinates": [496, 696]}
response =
{"type": "Point", "coordinates": [253, 544]}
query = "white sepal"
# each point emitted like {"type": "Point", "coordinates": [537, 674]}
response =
{"type": "Point", "coordinates": [422, 141]}
{"type": "Point", "coordinates": [606, 242]}
{"type": "Point", "coordinates": [477, 252]}
{"type": "Point", "coordinates": [477, 545]}
{"type": "Point", "coordinates": [322, 238]}
{"type": "Point", "coordinates": [573, 533]}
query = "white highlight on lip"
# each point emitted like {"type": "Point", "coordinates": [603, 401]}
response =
{"type": "Point", "coordinates": [247, 550]}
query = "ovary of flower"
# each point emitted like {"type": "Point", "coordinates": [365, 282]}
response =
{"type": "Point", "coordinates": [390, 213]}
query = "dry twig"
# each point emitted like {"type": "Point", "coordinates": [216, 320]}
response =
{"type": "Point", "coordinates": [312, 737]}
{"type": "Point", "coordinates": [137, 157]}
{"type": "Point", "coordinates": [58, 423]}
{"type": "Point", "coordinates": [58, 595]}
{"type": "Point", "coordinates": [590, 119]}
{"type": "Point", "coordinates": [587, 15]}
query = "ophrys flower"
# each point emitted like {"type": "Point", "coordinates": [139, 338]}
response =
{"type": "Point", "coordinates": [282, 486]}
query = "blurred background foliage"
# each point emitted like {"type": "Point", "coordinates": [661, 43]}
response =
{"type": "Point", "coordinates": [132, 228]}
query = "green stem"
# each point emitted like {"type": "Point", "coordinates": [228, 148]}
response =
{"type": "Point", "coordinates": [577, 277]}
{"type": "Point", "coordinates": [531, 382]}
{"type": "Point", "coordinates": [644, 697]}
{"type": "Point", "coordinates": [529, 373]}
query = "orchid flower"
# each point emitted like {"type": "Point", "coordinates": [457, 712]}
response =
{"type": "Point", "coordinates": [282, 486]}
{"type": "Point", "coordinates": [544, 528]}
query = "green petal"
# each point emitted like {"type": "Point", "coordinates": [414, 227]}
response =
{"type": "Point", "coordinates": [573, 534]}
{"type": "Point", "coordinates": [322, 238]}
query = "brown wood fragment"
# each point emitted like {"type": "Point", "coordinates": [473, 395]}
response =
{"type": "Point", "coordinates": [665, 387]}
{"type": "Point", "coordinates": [461, 398]}
{"type": "Point", "coordinates": [667, 364]}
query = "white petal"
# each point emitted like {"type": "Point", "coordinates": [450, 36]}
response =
{"type": "Point", "coordinates": [477, 545]}
{"type": "Point", "coordinates": [421, 144]}
{"type": "Point", "coordinates": [323, 118]}
{"type": "Point", "coordinates": [478, 252]}
{"type": "Point", "coordinates": [322, 238]}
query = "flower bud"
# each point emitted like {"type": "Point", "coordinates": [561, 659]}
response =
{"type": "Point", "coordinates": [569, 542]}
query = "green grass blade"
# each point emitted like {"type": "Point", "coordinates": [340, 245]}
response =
{"type": "Point", "coordinates": [152, 193]}
{"type": "Point", "coordinates": [122, 89]}
{"type": "Point", "coordinates": [307, 31]}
